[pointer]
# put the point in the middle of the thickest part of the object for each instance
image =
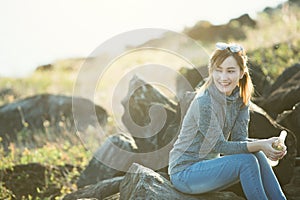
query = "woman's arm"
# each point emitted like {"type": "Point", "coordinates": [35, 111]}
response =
{"type": "Point", "coordinates": [214, 140]}
{"type": "Point", "coordinates": [265, 145]}
{"type": "Point", "coordinates": [240, 128]}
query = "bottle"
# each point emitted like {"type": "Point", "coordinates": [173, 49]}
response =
{"type": "Point", "coordinates": [278, 145]}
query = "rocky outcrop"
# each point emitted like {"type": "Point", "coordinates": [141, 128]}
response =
{"type": "Point", "coordinates": [100, 190]}
{"type": "Point", "coordinates": [143, 183]}
{"type": "Point", "coordinates": [260, 81]}
{"type": "Point", "coordinates": [292, 190]}
{"type": "Point", "coordinates": [194, 77]}
{"type": "Point", "coordinates": [41, 111]}
{"type": "Point", "coordinates": [149, 116]}
{"type": "Point", "coordinates": [284, 97]}
{"type": "Point", "coordinates": [261, 125]}
{"type": "Point", "coordinates": [286, 75]}
{"type": "Point", "coordinates": [291, 120]}
{"type": "Point", "coordinates": [109, 161]}
{"type": "Point", "coordinates": [140, 98]}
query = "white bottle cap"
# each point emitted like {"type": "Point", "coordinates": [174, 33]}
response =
{"type": "Point", "coordinates": [282, 136]}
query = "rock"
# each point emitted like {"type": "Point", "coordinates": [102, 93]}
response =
{"type": "Point", "coordinates": [147, 115]}
{"type": "Point", "coordinates": [286, 75]}
{"type": "Point", "coordinates": [189, 79]}
{"type": "Point", "coordinates": [260, 81]}
{"type": "Point", "coordinates": [109, 161]}
{"type": "Point", "coordinates": [291, 120]}
{"type": "Point", "coordinates": [40, 111]}
{"type": "Point", "coordinates": [292, 190]}
{"type": "Point", "coordinates": [143, 183]}
{"type": "Point", "coordinates": [99, 191]}
{"type": "Point", "coordinates": [153, 120]}
{"type": "Point", "coordinates": [284, 97]}
{"type": "Point", "coordinates": [113, 197]}
{"type": "Point", "coordinates": [261, 125]}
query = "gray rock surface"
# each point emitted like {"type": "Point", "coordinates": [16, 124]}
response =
{"type": "Point", "coordinates": [109, 160]}
{"type": "Point", "coordinates": [99, 190]}
{"type": "Point", "coordinates": [143, 183]}
{"type": "Point", "coordinates": [284, 97]}
{"type": "Point", "coordinates": [262, 125]}
{"type": "Point", "coordinates": [31, 114]}
{"type": "Point", "coordinates": [291, 120]}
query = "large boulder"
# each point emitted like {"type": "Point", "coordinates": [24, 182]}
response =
{"type": "Point", "coordinates": [153, 120]}
{"type": "Point", "coordinates": [260, 81]}
{"type": "Point", "coordinates": [261, 125]}
{"type": "Point", "coordinates": [291, 120]}
{"type": "Point", "coordinates": [286, 75]}
{"type": "Point", "coordinates": [40, 111]}
{"type": "Point", "coordinates": [143, 183]}
{"type": "Point", "coordinates": [292, 190]}
{"type": "Point", "coordinates": [148, 113]}
{"type": "Point", "coordinates": [284, 97]}
{"type": "Point", "coordinates": [112, 159]}
{"type": "Point", "coordinates": [100, 190]}
{"type": "Point", "coordinates": [189, 79]}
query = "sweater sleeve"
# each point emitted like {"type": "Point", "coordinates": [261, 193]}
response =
{"type": "Point", "coordinates": [240, 128]}
{"type": "Point", "coordinates": [213, 137]}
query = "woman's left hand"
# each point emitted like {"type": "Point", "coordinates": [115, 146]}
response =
{"type": "Point", "coordinates": [284, 152]}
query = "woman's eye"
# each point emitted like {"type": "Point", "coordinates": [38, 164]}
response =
{"type": "Point", "coordinates": [231, 71]}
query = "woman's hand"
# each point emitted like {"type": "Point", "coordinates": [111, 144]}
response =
{"type": "Point", "coordinates": [270, 152]}
{"type": "Point", "coordinates": [265, 145]}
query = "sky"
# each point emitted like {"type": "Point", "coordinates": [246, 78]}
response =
{"type": "Point", "coordinates": [39, 32]}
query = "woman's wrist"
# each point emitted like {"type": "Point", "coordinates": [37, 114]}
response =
{"type": "Point", "coordinates": [256, 145]}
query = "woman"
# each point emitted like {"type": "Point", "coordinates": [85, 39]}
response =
{"type": "Point", "coordinates": [219, 111]}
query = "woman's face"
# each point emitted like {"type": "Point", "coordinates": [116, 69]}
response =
{"type": "Point", "coordinates": [226, 76]}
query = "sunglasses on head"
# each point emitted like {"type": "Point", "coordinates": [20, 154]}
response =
{"type": "Point", "coordinates": [234, 48]}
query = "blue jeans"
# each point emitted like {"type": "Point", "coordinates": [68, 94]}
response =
{"type": "Point", "coordinates": [252, 170]}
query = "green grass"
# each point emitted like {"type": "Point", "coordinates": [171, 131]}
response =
{"type": "Point", "coordinates": [48, 155]}
{"type": "Point", "coordinates": [274, 60]}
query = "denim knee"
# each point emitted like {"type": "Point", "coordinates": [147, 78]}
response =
{"type": "Point", "coordinates": [260, 155]}
{"type": "Point", "coordinates": [179, 181]}
{"type": "Point", "coordinates": [249, 160]}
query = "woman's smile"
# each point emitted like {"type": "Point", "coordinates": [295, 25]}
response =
{"type": "Point", "coordinates": [226, 76]}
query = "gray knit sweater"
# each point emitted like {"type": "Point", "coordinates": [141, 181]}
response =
{"type": "Point", "coordinates": [211, 118]}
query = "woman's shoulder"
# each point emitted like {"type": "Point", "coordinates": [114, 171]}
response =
{"type": "Point", "coordinates": [203, 98]}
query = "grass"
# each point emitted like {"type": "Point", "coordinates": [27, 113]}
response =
{"type": "Point", "coordinates": [50, 155]}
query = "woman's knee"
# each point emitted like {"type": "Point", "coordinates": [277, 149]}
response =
{"type": "Point", "coordinates": [260, 155]}
{"type": "Point", "coordinates": [250, 159]}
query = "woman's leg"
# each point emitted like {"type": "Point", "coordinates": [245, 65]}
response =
{"type": "Point", "coordinates": [219, 173]}
{"type": "Point", "coordinates": [270, 182]}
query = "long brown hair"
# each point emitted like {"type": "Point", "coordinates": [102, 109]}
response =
{"type": "Point", "coordinates": [245, 84]}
